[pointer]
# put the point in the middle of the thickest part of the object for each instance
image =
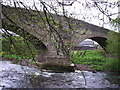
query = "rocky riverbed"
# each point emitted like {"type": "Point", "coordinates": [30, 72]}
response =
{"type": "Point", "coordinates": [17, 76]}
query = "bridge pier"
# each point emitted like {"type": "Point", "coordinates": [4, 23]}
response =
{"type": "Point", "coordinates": [51, 57]}
{"type": "Point", "coordinates": [57, 63]}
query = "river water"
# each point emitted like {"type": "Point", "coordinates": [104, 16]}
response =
{"type": "Point", "coordinates": [17, 76]}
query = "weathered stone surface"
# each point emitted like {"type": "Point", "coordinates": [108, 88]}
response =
{"type": "Point", "coordinates": [33, 29]}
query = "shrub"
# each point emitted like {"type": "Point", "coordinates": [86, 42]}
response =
{"type": "Point", "coordinates": [112, 64]}
{"type": "Point", "coordinates": [113, 43]}
{"type": "Point", "coordinates": [16, 45]}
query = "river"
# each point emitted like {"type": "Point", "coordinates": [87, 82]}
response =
{"type": "Point", "coordinates": [17, 76]}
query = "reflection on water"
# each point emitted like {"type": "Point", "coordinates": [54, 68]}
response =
{"type": "Point", "coordinates": [17, 76]}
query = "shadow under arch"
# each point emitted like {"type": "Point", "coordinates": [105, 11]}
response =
{"type": "Point", "coordinates": [101, 41]}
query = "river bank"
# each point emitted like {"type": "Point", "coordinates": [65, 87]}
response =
{"type": "Point", "coordinates": [41, 66]}
{"type": "Point", "coordinates": [88, 60]}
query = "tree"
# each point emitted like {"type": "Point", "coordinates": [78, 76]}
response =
{"type": "Point", "coordinates": [18, 46]}
{"type": "Point", "coordinates": [113, 47]}
{"type": "Point", "coordinates": [113, 41]}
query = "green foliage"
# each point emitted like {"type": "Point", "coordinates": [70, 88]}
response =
{"type": "Point", "coordinates": [17, 48]}
{"type": "Point", "coordinates": [94, 58]}
{"type": "Point", "coordinates": [14, 56]}
{"type": "Point", "coordinates": [97, 67]}
{"type": "Point", "coordinates": [113, 43]}
{"type": "Point", "coordinates": [112, 64]}
{"type": "Point", "coordinates": [115, 22]}
{"type": "Point", "coordinates": [80, 25]}
{"type": "Point", "coordinates": [0, 44]}
{"type": "Point", "coordinates": [113, 47]}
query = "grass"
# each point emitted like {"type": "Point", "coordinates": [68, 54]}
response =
{"type": "Point", "coordinates": [14, 57]}
{"type": "Point", "coordinates": [112, 64]}
{"type": "Point", "coordinates": [96, 59]}
{"type": "Point", "coordinates": [89, 57]}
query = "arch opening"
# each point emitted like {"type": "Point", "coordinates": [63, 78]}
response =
{"type": "Point", "coordinates": [89, 54]}
{"type": "Point", "coordinates": [89, 44]}
{"type": "Point", "coordinates": [101, 41]}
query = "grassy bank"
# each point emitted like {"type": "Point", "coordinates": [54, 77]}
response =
{"type": "Point", "coordinates": [15, 58]}
{"type": "Point", "coordinates": [96, 59]}
{"type": "Point", "coordinates": [112, 64]}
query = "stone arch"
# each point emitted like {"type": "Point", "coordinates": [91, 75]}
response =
{"type": "Point", "coordinates": [101, 41]}
{"type": "Point", "coordinates": [38, 44]}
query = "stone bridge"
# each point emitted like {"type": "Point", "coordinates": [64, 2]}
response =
{"type": "Point", "coordinates": [33, 26]}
